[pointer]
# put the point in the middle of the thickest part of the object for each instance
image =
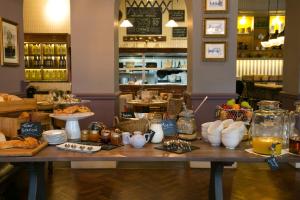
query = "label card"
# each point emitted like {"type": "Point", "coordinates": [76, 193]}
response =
{"type": "Point", "coordinates": [32, 129]}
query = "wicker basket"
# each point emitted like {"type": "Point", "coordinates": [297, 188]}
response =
{"type": "Point", "coordinates": [244, 115]}
{"type": "Point", "coordinates": [133, 124]}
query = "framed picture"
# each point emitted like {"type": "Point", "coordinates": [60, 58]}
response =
{"type": "Point", "coordinates": [214, 51]}
{"type": "Point", "coordinates": [216, 5]}
{"type": "Point", "coordinates": [215, 27]}
{"type": "Point", "coordinates": [9, 43]}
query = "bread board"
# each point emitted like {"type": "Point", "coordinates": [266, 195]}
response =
{"type": "Point", "coordinates": [16, 106]}
{"type": "Point", "coordinates": [22, 152]}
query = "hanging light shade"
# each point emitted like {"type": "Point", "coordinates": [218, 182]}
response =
{"type": "Point", "coordinates": [171, 23]}
{"type": "Point", "coordinates": [126, 23]}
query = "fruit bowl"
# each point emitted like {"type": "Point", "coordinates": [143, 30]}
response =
{"type": "Point", "coordinates": [242, 114]}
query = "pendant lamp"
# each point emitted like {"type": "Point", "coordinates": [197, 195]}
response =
{"type": "Point", "coordinates": [171, 23]}
{"type": "Point", "coordinates": [126, 23]}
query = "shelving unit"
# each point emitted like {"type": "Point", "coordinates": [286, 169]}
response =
{"type": "Point", "coordinates": [47, 57]}
{"type": "Point", "coordinates": [171, 66]}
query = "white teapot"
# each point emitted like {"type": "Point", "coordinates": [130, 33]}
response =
{"type": "Point", "coordinates": [138, 140]}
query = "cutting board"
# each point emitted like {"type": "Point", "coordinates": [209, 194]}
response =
{"type": "Point", "coordinates": [22, 152]}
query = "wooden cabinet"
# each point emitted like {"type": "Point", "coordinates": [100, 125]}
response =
{"type": "Point", "coordinates": [47, 57]}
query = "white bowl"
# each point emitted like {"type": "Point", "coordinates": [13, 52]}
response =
{"type": "Point", "coordinates": [230, 140]}
{"type": "Point", "coordinates": [214, 139]}
{"type": "Point", "coordinates": [227, 122]}
{"type": "Point", "coordinates": [204, 133]}
{"type": "Point", "coordinates": [240, 126]}
{"type": "Point", "coordinates": [215, 127]}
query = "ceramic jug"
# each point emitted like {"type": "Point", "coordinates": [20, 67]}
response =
{"type": "Point", "coordinates": [156, 126]}
{"type": "Point", "coordinates": [138, 140]}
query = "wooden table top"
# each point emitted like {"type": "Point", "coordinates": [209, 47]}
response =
{"type": "Point", "coordinates": [148, 153]}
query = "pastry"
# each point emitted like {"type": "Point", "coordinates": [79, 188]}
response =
{"type": "Point", "coordinates": [24, 115]}
{"type": "Point", "coordinates": [83, 109]}
{"type": "Point", "coordinates": [27, 143]}
{"type": "Point", "coordinates": [71, 109]}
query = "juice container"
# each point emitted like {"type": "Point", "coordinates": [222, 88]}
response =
{"type": "Point", "coordinates": [267, 128]}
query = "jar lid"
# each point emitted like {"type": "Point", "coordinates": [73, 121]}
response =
{"type": "Point", "coordinates": [186, 112]}
{"type": "Point", "coordinates": [270, 105]}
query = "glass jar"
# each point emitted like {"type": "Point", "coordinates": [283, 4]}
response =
{"type": "Point", "coordinates": [84, 135]}
{"type": "Point", "coordinates": [94, 136]}
{"type": "Point", "coordinates": [186, 123]}
{"type": "Point", "coordinates": [267, 128]}
{"type": "Point", "coordinates": [294, 137]}
{"type": "Point", "coordinates": [116, 139]}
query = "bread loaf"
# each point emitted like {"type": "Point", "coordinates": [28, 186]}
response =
{"type": "Point", "coordinates": [27, 143]}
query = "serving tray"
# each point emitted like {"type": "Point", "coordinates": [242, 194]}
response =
{"type": "Point", "coordinates": [178, 151]}
{"type": "Point", "coordinates": [70, 146]}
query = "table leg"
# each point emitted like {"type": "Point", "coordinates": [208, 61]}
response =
{"type": "Point", "coordinates": [37, 188]}
{"type": "Point", "coordinates": [216, 183]}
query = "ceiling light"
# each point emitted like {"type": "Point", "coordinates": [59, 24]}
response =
{"type": "Point", "coordinates": [171, 23]}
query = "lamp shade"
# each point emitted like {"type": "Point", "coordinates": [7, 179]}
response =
{"type": "Point", "coordinates": [171, 23]}
{"type": "Point", "coordinates": [126, 23]}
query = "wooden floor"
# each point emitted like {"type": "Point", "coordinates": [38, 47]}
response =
{"type": "Point", "coordinates": [165, 181]}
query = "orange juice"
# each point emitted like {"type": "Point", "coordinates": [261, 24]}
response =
{"type": "Point", "coordinates": [262, 145]}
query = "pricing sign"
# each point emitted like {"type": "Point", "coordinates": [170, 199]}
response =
{"type": "Point", "coordinates": [32, 129]}
{"type": "Point", "coordinates": [169, 127]}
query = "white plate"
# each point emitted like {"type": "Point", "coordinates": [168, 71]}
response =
{"type": "Point", "coordinates": [54, 132]}
{"type": "Point", "coordinates": [76, 147]}
{"type": "Point", "coordinates": [74, 116]}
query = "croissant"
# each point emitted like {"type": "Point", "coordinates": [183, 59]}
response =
{"type": "Point", "coordinates": [27, 143]}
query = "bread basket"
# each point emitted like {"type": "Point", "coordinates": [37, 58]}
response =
{"type": "Point", "coordinates": [132, 124]}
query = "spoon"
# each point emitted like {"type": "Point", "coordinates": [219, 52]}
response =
{"type": "Point", "coordinates": [203, 101]}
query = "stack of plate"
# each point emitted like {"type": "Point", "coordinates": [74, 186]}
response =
{"type": "Point", "coordinates": [55, 136]}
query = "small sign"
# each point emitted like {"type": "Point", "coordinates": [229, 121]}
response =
{"type": "Point", "coordinates": [127, 115]}
{"type": "Point", "coordinates": [179, 32]}
{"type": "Point", "coordinates": [177, 15]}
{"type": "Point", "coordinates": [32, 129]}
{"type": "Point", "coordinates": [169, 127]}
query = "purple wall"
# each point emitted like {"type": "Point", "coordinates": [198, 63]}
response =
{"type": "Point", "coordinates": [11, 77]}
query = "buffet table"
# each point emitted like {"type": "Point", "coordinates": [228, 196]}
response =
{"type": "Point", "coordinates": [218, 156]}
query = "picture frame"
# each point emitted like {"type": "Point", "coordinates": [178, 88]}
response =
{"type": "Point", "coordinates": [214, 51]}
{"type": "Point", "coordinates": [215, 27]}
{"type": "Point", "coordinates": [9, 43]}
{"type": "Point", "coordinates": [216, 5]}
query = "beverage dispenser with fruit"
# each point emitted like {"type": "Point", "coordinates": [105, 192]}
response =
{"type": "Point", "coordinates": [267, 128]}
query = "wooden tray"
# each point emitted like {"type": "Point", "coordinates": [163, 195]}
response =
{"type": "Point", "coordinates": [22, 152]}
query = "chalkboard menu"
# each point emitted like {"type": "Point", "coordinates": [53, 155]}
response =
{"type": "Point", "coordinates": [177, 15]}
{"type": "Point", "coordinates": [146, 21]}
{"type": "Point", "coordinates": [33, 129]}
{"type": "Point", "coordinates": [179, 32]}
